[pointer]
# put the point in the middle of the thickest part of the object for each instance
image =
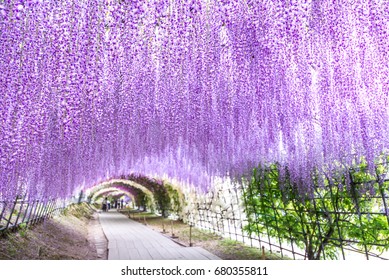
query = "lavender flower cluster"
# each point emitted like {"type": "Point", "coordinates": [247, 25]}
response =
{"type": "Point", "coordinates": [93, 89]}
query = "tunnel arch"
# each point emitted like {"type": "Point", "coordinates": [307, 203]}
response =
{"type": "Point", "coordinates": [110, 191]}
{"type": "Point", "coordinates": [163, 196]}
{"type": "Point", "coordinates": [126, 183]}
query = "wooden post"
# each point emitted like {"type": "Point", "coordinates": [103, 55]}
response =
{"type": "Point", "coordinates": [20, 211]}
{"type": "Point", "coordinates": [190, 236]}
{"type": "Point", "coordinates": [12, 212]}
{"type": "Point", "coordinates": [172, 230]}
{"type": "Point", "coordinates": [263, 253]}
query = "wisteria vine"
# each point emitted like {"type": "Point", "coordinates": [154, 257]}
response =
{"type": "Point", "coordinates": [93, 89]}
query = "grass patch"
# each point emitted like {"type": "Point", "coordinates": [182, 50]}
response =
{"type": "Point", "coordinates": [241, 251]}
{"type": "Point", "coordinates": [79, 211]}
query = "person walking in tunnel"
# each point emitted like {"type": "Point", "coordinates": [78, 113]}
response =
{"type": "Point", "coordinates": [104, 208]}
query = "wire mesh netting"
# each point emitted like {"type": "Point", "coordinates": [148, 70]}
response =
{"type": "Point", "coordinates": [338, 221]}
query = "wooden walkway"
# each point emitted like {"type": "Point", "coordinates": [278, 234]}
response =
{"type": "Point", "coordinates": [130, 240]}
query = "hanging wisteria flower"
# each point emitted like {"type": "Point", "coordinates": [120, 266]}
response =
{"type": "Point", "coordinates": [188, 89]}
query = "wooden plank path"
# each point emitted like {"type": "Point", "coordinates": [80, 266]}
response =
{"type": "Point", "coordinates": [130, 240]}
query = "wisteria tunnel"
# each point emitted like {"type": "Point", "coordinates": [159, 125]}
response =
{"type": "Point", "coordinates": [265, 122]}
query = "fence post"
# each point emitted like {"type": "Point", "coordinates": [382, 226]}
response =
{"type": "Point", "coordinates": [26, 212]}
{"type": "Point", "coordinates": [32, 220]}
{"type": "Point", "coordinates": [263, 253]}
{"type": "Point", "coordinates": [173, 235]}
{"type": "Point", "coordinates": [30, 212]}
{"type": "Point", "coordinates": [46, 210]}
{"type": "Point", "coordinates": [3, 210]}
{"type": "Point", "coordinates": [50, 212]}
{"type": "Point", "coordinates": [190, 235]}
{"type": "Point", "coordinates": [41, 211]}
{"type": "Point", "coordinates": [12, 211]}
{"type": "Point", "coordinates": [55, 209]}
{"type": "Point", "coordinates": [20, 210]}
{"type": "Point", "coordinates": [356, 202]}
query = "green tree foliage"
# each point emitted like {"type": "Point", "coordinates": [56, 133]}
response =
{"type": "Point", "coordinates": [141, 199]}
{"type": "Point", "coordinates": [175, 199]}
{"type": "Point", "coordinates": [348, 211]}
{"type": "Point", "coordinates": [162, 199]}
{"type": "Point", "coordinates": [161, 196]}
